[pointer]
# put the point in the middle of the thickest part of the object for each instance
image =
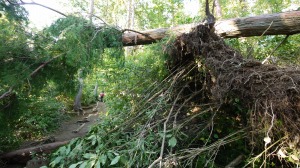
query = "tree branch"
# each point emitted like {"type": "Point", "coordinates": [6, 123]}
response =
{"type": "Point", "coordinates": [34, 3]}
{"type": "Point", "coordinates": [6, 93]}
{"type": "Point", "coordinates": [31, 75]}
{"type": "Point", "coordinates": [43, 65]}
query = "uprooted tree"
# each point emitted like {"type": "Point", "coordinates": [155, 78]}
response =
{"type": "Point", "coordinates": [211, 91]}
{"type": "Point", "coordinates": [207, 78]}
{"type": "Point", "coordinates": [268, 92]}
{"type": "Point", "coordinates": [270, 24]}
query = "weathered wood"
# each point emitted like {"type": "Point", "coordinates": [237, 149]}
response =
{"type": "Point", "coordinates": [133, 38]}
{"type": "Point", "coordinates": [23, 155]}
{"type": "Point", "coordinates": [270, 24]}
{"type": "Point", "coordinates": [79, 128]}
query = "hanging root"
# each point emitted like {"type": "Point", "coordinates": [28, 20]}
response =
{"type": "Point", "coordinates": [268, 94]}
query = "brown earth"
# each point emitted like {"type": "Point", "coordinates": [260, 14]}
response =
{"type": "Point", "coordinates": [66, 131]}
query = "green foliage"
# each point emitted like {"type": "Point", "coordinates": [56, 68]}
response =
{"type": "Point", "coordinates": [8, 116]}
{"type": "Point", "coordinates": [170, 13]}
{"type": "Point", "coordinates": [13, 52]}
{"type": "Point", "coordinates": [131, 132]}
{"type": "Point", "coordinates": [111, 143]}
{"type": "Point", "coordinates": [261, 47]}
{"type": "Point", "coordinates": [14, 13]}
{"type": "Point", "coordinates": [68, 45]}
{"type": "Point", "coordinates": [82, 44]}
{"type": "Point", "coordinates": [41, 116]}
{"type": "Point", "coordinates": [29, 118]}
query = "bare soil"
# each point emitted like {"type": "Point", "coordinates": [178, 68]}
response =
{"type": "Point", "coordinates": [66, 130]}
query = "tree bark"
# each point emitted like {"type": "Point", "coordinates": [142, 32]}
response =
{"type": "Point", "coordinates": [24, 155]}
{"type": "Point", "coordinates": [218, 9]}
{"type": "Point", "coordinates": [287, 23]}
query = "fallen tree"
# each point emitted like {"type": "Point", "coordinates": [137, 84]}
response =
{"type": "Point", "coordinates": [287, 23]}
{"type": "Point", "coordinates": [192, 117]}
{"type": "Point", "coordinates": [267, 90]}
{"type": "Point", "coordinates": [268, 95]}
{"type": "Point", "coordinates": [24, 155]}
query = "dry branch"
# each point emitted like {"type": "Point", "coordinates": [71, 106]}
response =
{"type": "Point", "coordinates": [32, 74]}
{"type": "Point", "coordinates": [43, 65]}
{"type": "Point", "coordinates": [34, 3]}
{"type": "Point", "coordinates": [79, 128]}
{"type": "Point", "coordinates": [287, 23]}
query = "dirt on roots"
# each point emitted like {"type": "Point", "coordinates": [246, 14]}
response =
{"type": "Point", "coordinates": [270, 93]}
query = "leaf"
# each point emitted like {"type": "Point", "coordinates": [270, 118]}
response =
{"type": "Point", "coordinates": [68, 150]}
{"type": "Point", "coordinates": [98, 164]}
{"type": "Point", "coordinates": [169, 135]}
{"type": "Point", "coordinates": [89, 155]}
{"type": "Point", "coordinates": [93, 138]}
{"type": "Point", "coordinates": [216, 136]}
{"type": "Point", "coordinates": [74, 165]}
{"type": "Point", "coordinates": [115, 160]}
{"type": "Point", "coordinates": [83, 165]}
{"type": "Point", "coordinates": [91, 163]}
{"type": "Point", "coordinates": [56, 161]}
{"type": "Point", "coordinates": [103, 159]}
{"type": "Point", "coordinates": [172, 142]}
{"type": "Point", "coordinates": [62, 150]}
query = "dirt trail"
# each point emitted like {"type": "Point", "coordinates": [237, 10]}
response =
{"type": "Point", "coordinates": [76, 126]}
{"type": "Point", "coordinates": [67, 128]}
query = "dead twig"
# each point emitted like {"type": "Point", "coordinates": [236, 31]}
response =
{"type": "Point", "coordinates": [78, 129]}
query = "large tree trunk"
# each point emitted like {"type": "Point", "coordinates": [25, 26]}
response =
{"type": "Point", "coordinates": [271, 24]}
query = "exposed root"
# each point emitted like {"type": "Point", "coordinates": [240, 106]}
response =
{"type": "Point", "coordinates": [270, 93]}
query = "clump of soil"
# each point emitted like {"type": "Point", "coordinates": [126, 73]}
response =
{"type": "Point", "coordinates": [270, 93]}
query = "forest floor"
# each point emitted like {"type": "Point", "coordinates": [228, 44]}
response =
{"type": "Point", "coordinates": [75, 126]}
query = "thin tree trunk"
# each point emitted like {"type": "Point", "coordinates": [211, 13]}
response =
{"type": "Point", "coordinates": [218, 9]}
{"type": "Point", "coordinates": [91, 11]}
{"type": "Point", "coordinates": [77, 103]}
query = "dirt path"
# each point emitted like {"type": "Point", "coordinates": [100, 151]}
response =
{"type": "Point", "coordinates": [67, 129]}
{"type": "Point", "coordinates": [76, 126]}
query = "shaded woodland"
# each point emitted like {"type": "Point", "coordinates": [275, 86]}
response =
{"type": "Point", "coordinates": [193, 97]}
